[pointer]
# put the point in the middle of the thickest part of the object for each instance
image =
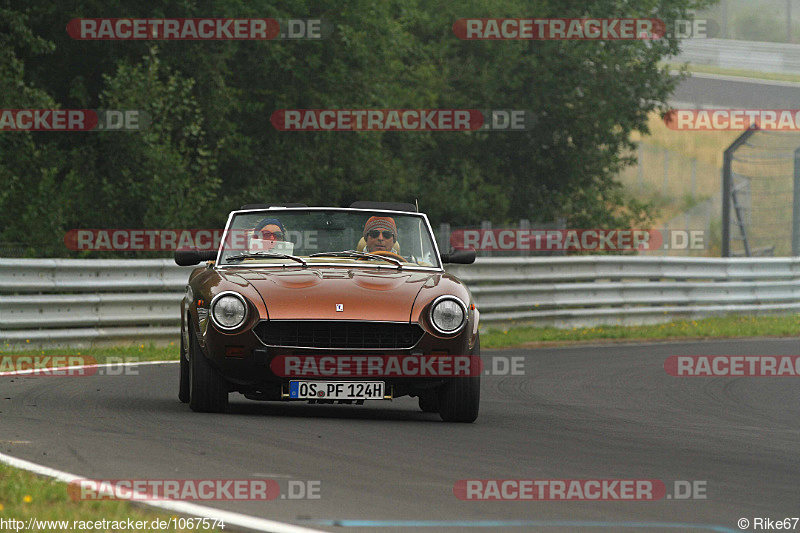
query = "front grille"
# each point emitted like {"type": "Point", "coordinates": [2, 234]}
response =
{"type": "Point", "coordinates": [338, 334]}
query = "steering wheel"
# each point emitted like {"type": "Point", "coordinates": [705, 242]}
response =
{"type": "Point", "coordinates": [388, 254]}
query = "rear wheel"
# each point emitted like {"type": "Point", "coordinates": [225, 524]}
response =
{"type": "Point", "coordinates": [208, 392]}
{"type": "Point", "coordinates": [429, 403]}
{"type": "Point", "coordinates": [460, 398]}
{"type": "Point", "coordinates": [183, 389]}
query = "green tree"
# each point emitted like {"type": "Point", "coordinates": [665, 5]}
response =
{"type": "Point", "coordinates": [212, 148]}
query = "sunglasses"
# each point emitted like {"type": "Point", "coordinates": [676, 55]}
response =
{"type": "Point", "coordinates": [375, 233]}
{"type": "Point", "coordinates": [270, 236]}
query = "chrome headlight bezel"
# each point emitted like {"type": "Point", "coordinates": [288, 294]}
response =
{"type": "Point", "coordinates": [464, 311]}
{"type": "Point", "coordinates": [216, 299]}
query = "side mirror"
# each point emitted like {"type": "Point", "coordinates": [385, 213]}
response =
{"type": "Point", "coordinates": [192, 257]}
{"type": "Point", "coordinates": [462, 257]}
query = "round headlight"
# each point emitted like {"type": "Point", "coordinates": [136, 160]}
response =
{"type": "Point", "coordinates": [448, 314]}
{"type": "Point", "coordinates": [228, 310]}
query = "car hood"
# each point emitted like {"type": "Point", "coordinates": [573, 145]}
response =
{"type": "Point", "coordinates": [315, 294]}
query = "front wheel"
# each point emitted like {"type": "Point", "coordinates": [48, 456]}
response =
{"type": "Point", "coordinates": [208, 392]}
{"type": "Point", "coordinates": [460, 398]}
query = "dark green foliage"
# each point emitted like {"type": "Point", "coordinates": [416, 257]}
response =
{"type": "Point", "coordinates": [212, 148]}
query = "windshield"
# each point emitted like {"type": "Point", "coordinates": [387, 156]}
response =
{"type": "Point", "coordinates": [314, 236]}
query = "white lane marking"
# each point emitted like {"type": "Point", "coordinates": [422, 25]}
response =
{"type": "Point", "coordinates": [193, 509]}
{"type": "Point", "coordinates": [32, 371]}
{"type": "Point", "coordinates": [237, 519]}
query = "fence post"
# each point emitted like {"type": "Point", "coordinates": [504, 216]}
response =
{"type": "Point", "coordinates": [444, 237]}
{"type": "Point", "coordinates": [486, 225]}
{"type": "Point", "coordinates": [640, 163]}
{"type": "Point", "coordinates": [796, 206]}
{"type": "Point", "coordinates": [524, 225]}
{"type": "Point", "coordinates": [561, 223]}
{"type": "Point", "coordinates": [727, 187]}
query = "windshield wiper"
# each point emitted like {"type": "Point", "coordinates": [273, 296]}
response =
{"type": "Point", "coordinates": [353, 253]}
{"type": "Point", "coordinates": [246, 255]}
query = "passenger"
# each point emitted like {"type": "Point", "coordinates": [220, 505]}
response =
{"type": "Point", "coordinates": [269, 235]}
{"type": "Point", "coordinates": [270, 229]}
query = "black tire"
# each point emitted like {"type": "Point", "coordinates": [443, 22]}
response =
{"type": "Point", "coordinates": [183, 388]}
{"type": "Point", "coordinates": [208, 392]}
{"type": "Point", "coordinates": [460, 398]}
{"type": "Point", "coordinates": [429, 403]}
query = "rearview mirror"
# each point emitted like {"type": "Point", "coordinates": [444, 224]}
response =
{"type": "Point", "coordinates": [193, 257]}
{"type": "Point", "coordinates": [462, 257]}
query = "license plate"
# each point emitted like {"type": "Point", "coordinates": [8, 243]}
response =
{"type": "Point", "coordinates": [337, 390]}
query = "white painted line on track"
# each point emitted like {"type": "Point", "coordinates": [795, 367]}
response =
{"type": "Point", "coordinates": [50, 370]}
{"type": "Point", "coordinates": [182, 507]}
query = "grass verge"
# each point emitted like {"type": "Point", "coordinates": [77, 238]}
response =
{"type": "Point", "coordinates": [717, 327]}
{"type": "Point", "coordinates": [110, 354]}
{"type": "Point", "coordinates": [24, 495]}
{"type": "Point", "coordinates": [518, 335]}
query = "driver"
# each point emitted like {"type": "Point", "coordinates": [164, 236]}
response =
{"type": "Point", "coordinates": [380, 234]}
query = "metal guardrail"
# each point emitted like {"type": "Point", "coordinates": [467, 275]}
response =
{"type": "Point", "coordinates": [66, 302]}
{"type": "Point", "coordinates": [588, 291]}
{"type": "Point", "coordinates": [745, 55]}
{"type": "Point", "coordinates": [75, 302]}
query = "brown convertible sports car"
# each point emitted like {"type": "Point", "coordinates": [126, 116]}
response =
{"type": "Point", "coordinates": [329, 305]}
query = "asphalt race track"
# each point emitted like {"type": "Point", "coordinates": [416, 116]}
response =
{"type": "Point", "coordinates": [712, 90]}
{"type": "Point", "coordinates": [591, 412]}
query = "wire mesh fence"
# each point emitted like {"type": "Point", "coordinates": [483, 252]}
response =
{"type": "Point", "coordinates": [667, 174]}
{"type": "Point", "coordinates": [761, 193]}
{"type": "Point", "coordinates": [685, 189]}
